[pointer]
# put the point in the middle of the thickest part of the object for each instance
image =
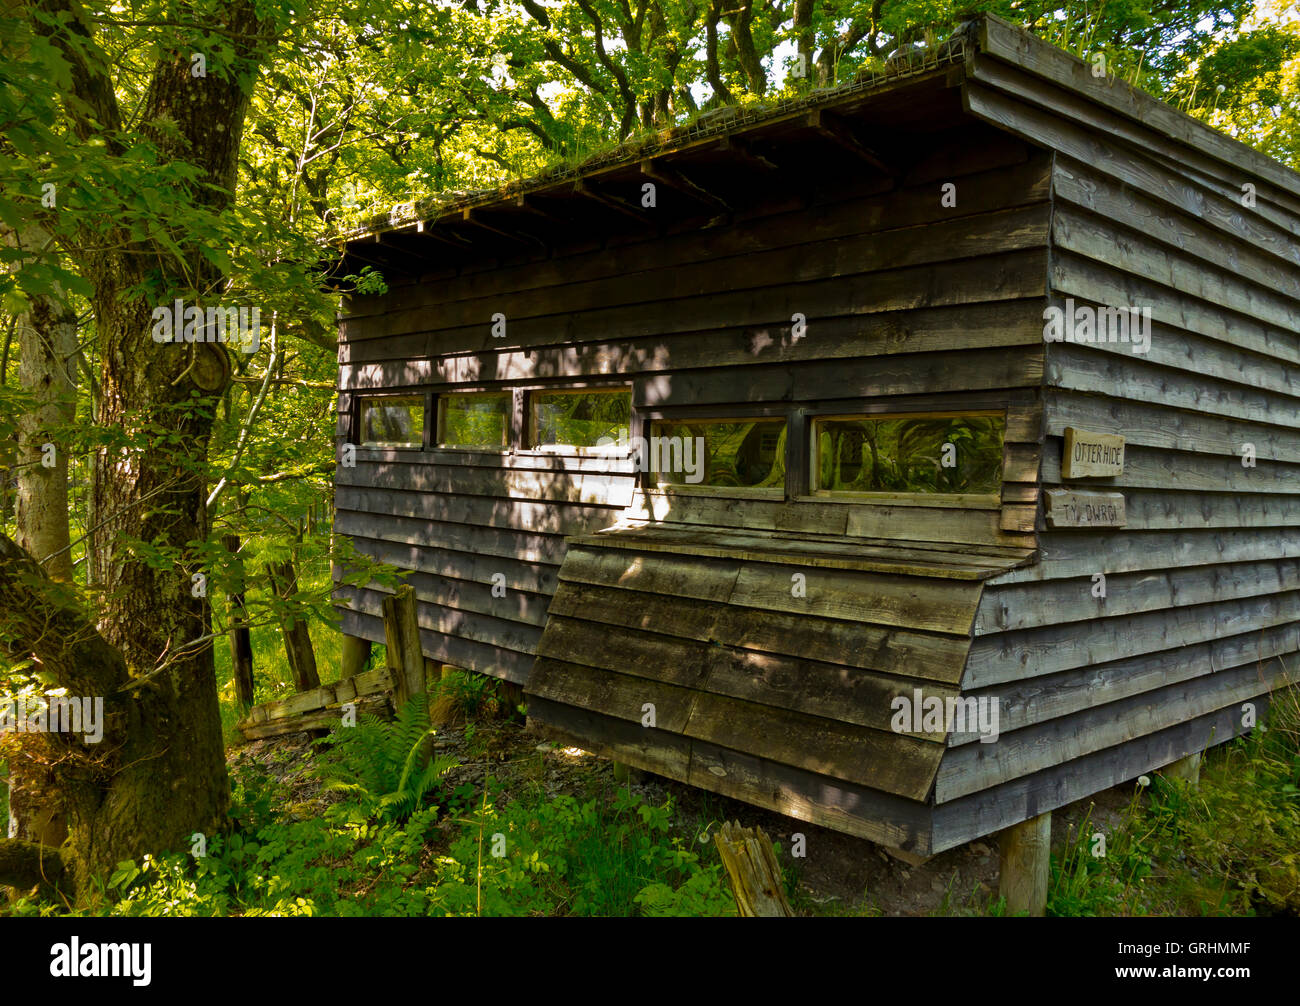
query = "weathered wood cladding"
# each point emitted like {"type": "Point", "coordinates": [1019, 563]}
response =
{"type": "Point", "coordinates": [874, 268]}
{"type": "Point", "coordinates": [1201, 610]}
{"type": "Point", "coordinates": [1070, 190]}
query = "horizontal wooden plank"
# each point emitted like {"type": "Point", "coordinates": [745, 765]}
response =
{"type": "Point", "coordinates": [1020, 274]}
{"type": "Point", "coordinates": [883, 760]}
{"type": "Point", "coordinates": [318, 719]}
{"type": "Point", "coordinates": [1083, 186]}
{"type": "Point", "coordinates": [606, 490]}
{"type": "Point", "coordinates": [1007, 57]}
{"type": "Point", "coordinates": [563, 459]}
{"type": "Point", "coordinates": [940, 605]}
{"type": "Point", "coordinates": [387, 363]}
{"type": "Point", "coordinates": [1052, 602]}
{"type": "Point", "coordinates": [927, 656]}
{"type": "Point", "coordinates": [1128, 250]}
{"type": "Point", "coordinates": [795, 224]}
{"type": "Point", "coordinates": [816, 688]}
{"type": "Point", "coordinates": [1023, 752]}
{"type": "Point", "coordinates": [484, 658]}
{"type": "Point", "coordinates": [905, 374]}
{"type": "Point", "coordinates": [1024, 703]}
{"type": "Point", "coordinates": [530, 311]}
{"type": "Point", "coordinates": [481, 628]}
{"type": "Point", "coordinates": [1024, 654]}
{"type": "Point", "coordinates": [1098, 282]}
{"type": "Point", "coordinates": [1161, 468]}
{"type": "Point", "coordinates": [1081, 552]}
{"type": "Point", "coordinates": [420, 544]}
{"type": "Point", "coordinates": [924, 559]}
{"type": "Point", "coordinates": [1142, 172]}
{"type": "Point", "coordinates": [991, 810]}
{"type": "Point", "coordinates": [503, 599]}
{"type": "Point", "coordinates": [537, 578]}
{"type": "Point", "coordinates": [1149, 424]}
{"type": "Point", "coordinates": [545, 521]}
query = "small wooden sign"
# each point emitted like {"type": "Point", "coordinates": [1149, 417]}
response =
{"type": "Point", "coordinates": [1080, 508]}
{"type": "Point", "coordinates": [1089, 454]}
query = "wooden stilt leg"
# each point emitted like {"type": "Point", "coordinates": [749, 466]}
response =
{"type": "Point", "coordinates": [1187, 769]}
{"type": "Point", "coordinates": [1025, 865]}
{"type": "Point", "coordinates": [355, 653]}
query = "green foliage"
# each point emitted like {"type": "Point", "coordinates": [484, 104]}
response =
{"type": "Point", "coordinates": [592, 858]}
{"type": "Point", "coordinates": [562, 856]}
{"type": "Point", "coordinates": [384, 765]}
{"type": "Point", "coordinates": [470, 696]}
{"type": "Point", "coordinates": [1231, 847]}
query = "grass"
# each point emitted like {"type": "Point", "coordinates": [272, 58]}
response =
{"type": "Point", "coordinates": [1229, 848]}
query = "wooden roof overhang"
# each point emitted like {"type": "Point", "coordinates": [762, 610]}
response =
{"type": "Point", "coordinates": [736, 158]}
{"type": "Point", "coordinates": [729, 164]}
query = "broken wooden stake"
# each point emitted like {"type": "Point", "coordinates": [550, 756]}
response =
{"type": "Point", "coordinates": [755, 874]}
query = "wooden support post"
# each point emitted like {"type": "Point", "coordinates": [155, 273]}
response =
{"type": "Point", "coordinates": [512, 697]}
{"type": "Point", "coordinates": [1024, 869]}
{"type": "Point", "coordinates": [754, 872]}
{"type": "Point", "coordinates": [402, 638]}
{"type": "Point", "coordinates": [355, 655]}
{"type": "Point", "coordinates": [1187, 769]}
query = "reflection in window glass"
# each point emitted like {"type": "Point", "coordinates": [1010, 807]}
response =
{"type": "Point", "coordinates": [579, 418]}
{"type": "Point", "coordinates": [475, 420]}
{"type": "Point", "coordinates": [923, 454]}
{"type": "Point", "coordinates": [392, 422]}
{"type": "Point", "coordinates": [745, 453]}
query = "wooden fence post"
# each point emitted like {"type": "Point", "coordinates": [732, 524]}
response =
{"type": "Point", "coordinates": [754, 872]}
{"type": "Point", "coordinates": [1025, 859]}
{"type": "Point", "coordinates": [402, 639]}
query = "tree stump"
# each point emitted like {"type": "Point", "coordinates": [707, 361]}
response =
{"type": "Point", "coordinates": [754, 872]}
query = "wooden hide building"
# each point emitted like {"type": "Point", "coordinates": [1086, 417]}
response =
{"type": "Point", "coordinates": [904, 449]}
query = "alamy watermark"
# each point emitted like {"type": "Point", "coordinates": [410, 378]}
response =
{"type": "Point", "coordinates": [683, 455]}
{"type": "Point", "coordinates": [933, 714]}
{"type": "Point", "coordinates": [54, 714]}
{"type": "Point", "coordinates": [239, 327]}
{"type": "Point", "coordinates": [1087, 324]}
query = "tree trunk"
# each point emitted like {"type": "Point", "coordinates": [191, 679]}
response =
{"type": "Point", "coordinates": [241, 640]}
{"type": "Point", "coordinates": [283, 579]}
{"type": "Point", "coordinates": [159, 775]}
{"type": "Point", "coordinates": [47, 369]}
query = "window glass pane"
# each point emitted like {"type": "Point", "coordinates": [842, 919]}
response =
{"type": "Point", "coordinates": [475, 420]}
{"type": "Point", "coordinates": [579, 419]}
{"type": "Point", "coordinates": [393, 422]}
{"type": "Point", "coordinates": [742, 453]}
{"type": "Point", "coordinates": [923, 454]}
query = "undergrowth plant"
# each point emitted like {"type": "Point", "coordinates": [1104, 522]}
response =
{"type": "Point", "coordinates": [385, 766]}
